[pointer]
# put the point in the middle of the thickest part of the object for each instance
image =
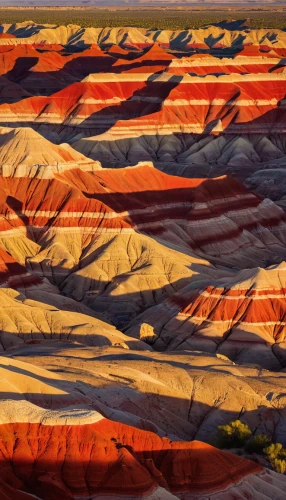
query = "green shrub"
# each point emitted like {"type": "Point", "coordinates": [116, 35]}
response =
{"type": "Point", "coordinates": [258, 443]}
{"type": "Point", "coordinates": [233, 435]}
{"type": "Point", "coordinates": [236, 434]}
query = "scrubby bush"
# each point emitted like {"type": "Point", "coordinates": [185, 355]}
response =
{"type": "Point", "coordinates": [273, 451]}
{"type": "Point", "coordinates": [236, 434]}
{"type": "Point", "coordinates": [233, 435]}
{"type": "Point", "coordinates": [276, 455]}
{"type": "Point", "coordinates": [258, 443]}
{"type": "Point", "coordinates": [282, 453]}
{"type": "Point", "coordinates": [279, 465]}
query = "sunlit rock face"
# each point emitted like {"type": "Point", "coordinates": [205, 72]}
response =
{"type": "Point", "coordinates": [54, 443]}
{"type": "Point", "coordinates": [142, 261]}
{"type": "Point", "coordinates": [242, 318]}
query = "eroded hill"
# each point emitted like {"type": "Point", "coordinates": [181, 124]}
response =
{"type": "Point", "coordinates": [142, 260]}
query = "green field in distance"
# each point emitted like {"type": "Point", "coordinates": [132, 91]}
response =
{"type": "Point", "coordinates": [148, 19]}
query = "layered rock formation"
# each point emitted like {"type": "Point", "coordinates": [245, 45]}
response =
{"type": "Point", "coordinates": [217, 219]}
{"type": "Point", "coordinates": [209, 38]}
{"type": "Point", "coordinates": [181, 396]}
{"type": "Point", "coordinates": [159, 96]}
{"type": "Point", "coordinates": [25, 153]}
{"type": "Point", "coordinates": [94, 235]}
{"type": "Point", "coordinates": [240, 317]}
{"type": "Point", "coordinates": [160, 103]}
{"type": "Point", "coordinates": [50, 449]}
{"type": "Point", "coordinates": [155, 302]}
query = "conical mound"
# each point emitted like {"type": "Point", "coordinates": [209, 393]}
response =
{"type": "Point", "coordinates": [25, 153]}
{"type": "Point", "coordinates": [241, 316]}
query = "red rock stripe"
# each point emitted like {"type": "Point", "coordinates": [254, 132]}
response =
{"type": "Point", "coordinates": [109, 457]}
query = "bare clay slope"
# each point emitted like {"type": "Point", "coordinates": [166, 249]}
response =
{"type": "Point", "coordinates": [242, 317]}
{"type": "Point", "coordinates": [155, 302]}
{"type": "Point", "coordinates": [110, 240]}
{"type": "Point", "coordinates": [110, 458]}
{"type": "Point", "coordinates": [25, 153]}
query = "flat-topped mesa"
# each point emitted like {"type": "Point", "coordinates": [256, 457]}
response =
{"type": "Point", "coordinates": [121, 77]}
{"type": "Point", "coordinates": [79, 102]}
{"type": "Point", "coordinates": [204, 64]}
{"type": "Point", "coordinates": [229, 104]}
{"type": "Point", "coordinates": [25, 153]}
{"type": "Point", "coordinates": [242, 317]}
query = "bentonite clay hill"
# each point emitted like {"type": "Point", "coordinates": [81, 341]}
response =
{"type": "Point", "coordinates": [142, 261]}
{"type": "Point", "coordinates": [56, 443]}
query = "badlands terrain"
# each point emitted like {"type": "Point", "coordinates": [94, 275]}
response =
{"type": "Point", "coordinates": [143, 260]}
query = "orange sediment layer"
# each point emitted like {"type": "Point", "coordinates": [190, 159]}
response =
{"type": "Point", "coordinates": [110, 457]}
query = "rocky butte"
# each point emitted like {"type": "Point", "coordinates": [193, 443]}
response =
{"type": "Point", "coordinates": [142, 263]}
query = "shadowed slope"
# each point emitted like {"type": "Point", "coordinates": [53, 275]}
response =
{"type": "Point", "coordinates": [33, 310]}
{"type": "Point", "coordinates": [193, 205]}
{"type": "Point", "coordinates": [242, 317]}
{"type": "Point", "coordinates": [53, 444]}
{"type": "Point", "coordinates": [165, 103]}
{"type": "Point", "coordinates": [210, 38]}
{"type": "Point", "coordinates": [172, 262]}
{"type": "Point", "coordinates": [182, 395]}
